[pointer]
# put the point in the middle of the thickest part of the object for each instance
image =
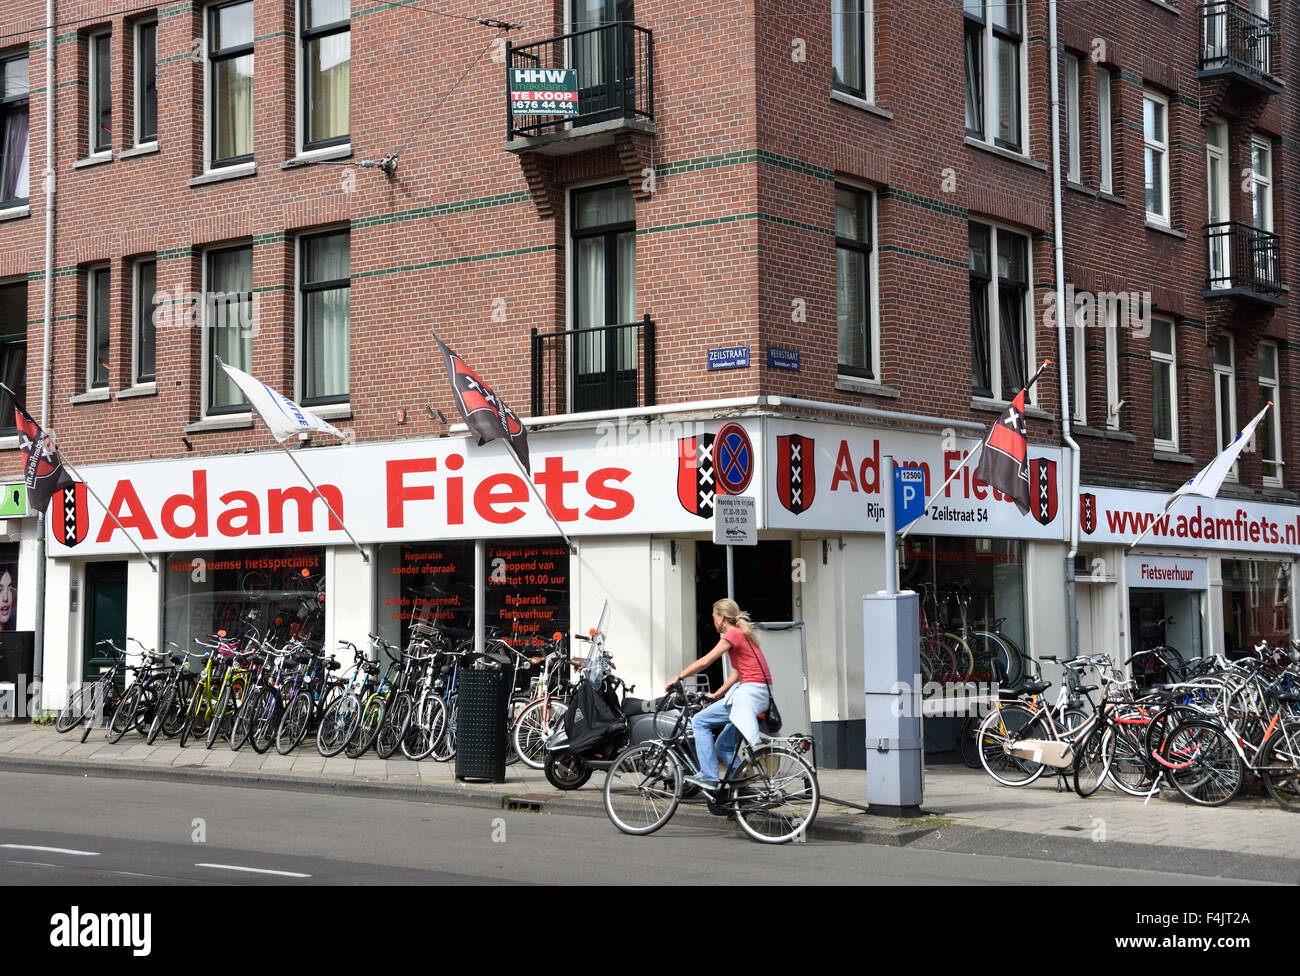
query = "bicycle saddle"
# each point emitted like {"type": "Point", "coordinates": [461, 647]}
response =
{"type": "Point", "coordinates": [1035, 687]}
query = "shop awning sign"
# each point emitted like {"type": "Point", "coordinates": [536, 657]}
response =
{"type": "Point", "coordinates": [544, 91]}
{"type": "Point", "coordinates": [1166, 572]}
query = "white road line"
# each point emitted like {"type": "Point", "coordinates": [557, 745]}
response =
{"type": "Point", "coordinates": [50, 850]}
{"type": "Point", "coordinates": [236, 867]}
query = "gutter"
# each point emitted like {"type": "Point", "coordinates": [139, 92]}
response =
{"type": "Point", "coordinates": [47, 368]}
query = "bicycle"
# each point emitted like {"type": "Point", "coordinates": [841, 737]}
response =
{"type": "Point", "coordinates": [93, 700]}
{"type": "Point", "coordinates": [545, 710]}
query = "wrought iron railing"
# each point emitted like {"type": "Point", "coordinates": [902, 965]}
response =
{"type": "Point", "coordinates": [606, 367]}
{"type": "Point", "coordinates": [1234, 39]}
{"type": "Point", "coordinates": [615, 65]}
{"type": "Point", "coordinates": [1242, 256]}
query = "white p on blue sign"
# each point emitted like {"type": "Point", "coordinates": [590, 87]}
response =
{"type": "Point", "coordinates": [909, 496]}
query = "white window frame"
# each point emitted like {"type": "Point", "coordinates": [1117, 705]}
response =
{"type": "Point", "coordinates": [868, 93]}
{"type": "Point", "coordinates": [300, 88]}
{"type": "Point", "coordinates": [92, 121]}
{"type": "Point", "coordinates": [92, 272]}
{"type": "Point", "coordinates": [992, 317]}
{"type": "Point", "coordinates": [299, 320]}
{"type": "Point", "coordinates": [1105, 146]}
{"type": "Point", "coordinates": [1260, 183]}
{"type": "Point", "coordinates": [1169, 359]}
{"type": "Point", "coordinates": [1110, 333]}
{"type": "Point", "coordinates": [1079, 347]}
{"type": "Point", "coordinates": [989, 120]}
{"type": "Point", "coordinates": [1228, 372]}
{"type": "Point", "coordinates": [1071, 78]}
{"type": "Point", "coordinates": [137, 299]}
{"type": "Point", "coordinates": [874, 306]}
{"type": "Point", "coordinates": [206, 338]}
{"type": "Point", "coordinates": [1161, 148]}
{"type": "Point", "coordinates": [1273, 384]}
{"type": "Point", "coordinates": [248, 164]}
{"type": "Point", "coordinates": [137, 93]}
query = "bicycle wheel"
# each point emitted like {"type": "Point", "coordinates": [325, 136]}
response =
{"type": "Point", "coordinates": [293, 727]}
{"type": "Point", "coordinates": [222, 717]}
{"type": "Point", "coordinates": [1093, 758]}
{"type": "Point", "coordinates": [1283, 785]}
{"type": "Point", "coordinates": [428, 723]}
{"type": "Point", "coordinates": [1207, 769]}
{"type": "Point", "coordinates": [243, 724]}
{"type": "Point", "coordinates": [338, 725]}
{"type": "Point", "coordinates": [74, 712]}
{"type": "Point", "coordinates": [124, 715]}
{"type": "Point", "coordinates": [535, 725]}
{"type": "Point", "coordinates": [266, 722]}
{"type": "Point", "coordinates": [165, 706]}
{"type": "Point", "coordinates": [988, 649]}
{"type": "Point", "coordinates": [968, 742]}
{"type": "Point", "coordinates": [780, 803]}
{"type": "Point", "coordinates": [393, 729]}
{"type": "Point", "coordinates": [175, 718]}
{"type": "Point", "coordinates": [963, 656]}
{"type": "Point", "coordinates": [517, 706]}
{"type": "Point", "coordinates": [192, 715]}
{"type": "Point", "coordinates": [445, 748]}
{"type": "Point", "coordinates": [643, 788]}
{"type": "Point", "coordinates": [1000, 730]}
{"type": "Point", "coordinates": [372, 717]}
{"type": "Point", "coordinates": [1130, 764]}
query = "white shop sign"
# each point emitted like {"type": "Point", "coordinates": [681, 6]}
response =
{"type": "Point", "coordinates": [1166, 572]}
{"type": "Point", "coordinates": [1240, 525]}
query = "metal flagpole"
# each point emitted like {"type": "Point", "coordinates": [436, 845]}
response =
{"type": "Point", "coordinates": [510, 449]}
{"type": "Point", "coordinates": [110, 512]}
{"type": "Point", "coordinates": [364, 556]}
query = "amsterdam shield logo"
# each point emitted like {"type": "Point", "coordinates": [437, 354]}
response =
{"type": "Point", "coordinates": [696, 481]}
{"type": "Point", "coordinates": [1042, 489]}
{"type": "Point", "coordinates": [796, 476]}
{"type": "Point", "coordinates": [1088, 512]}
{"type": "Point", "coordinates": [71, 520]}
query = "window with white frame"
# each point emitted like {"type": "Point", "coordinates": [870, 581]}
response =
{"type": "Point", "coordinates": [1109, 312]}
{"type": "Point", "coordinates": [144, 336]}
{"type": "Point", "coordinates": [1216, 181]}
{"type": "Point", "coordinates": [1164, 384]}
{"type": "Point", "coordinates": [228, 324]}
{"type": "Point", "coordinates": [98, 326]}
{"type": "Point", "coordinates": [1079, 370]}
{"type": "Point", "coordinates": [15, 92]}
{"type": "Point", "coordinates": [1261, 184]}
{"type": "Point", "coordinates": [854, 266]}
{"type": "Point", "coordinates": [101, 93]}
{"type": "Point", "coordinates": [1225, 396]}
{"type": "Point", "coordinates": [146, 83]}
{"type": "Point", "coordinates": [1155, 142]}
{"type": "Point", "coordinates": [1268, 436]}
{"type": "Point", "coordinates": [999, 308]}
{"type": "Point", "coordinates": [1105, 151]}
{"type": "Point", "coordinates": [324, 308]}
{"type": "Point", "coordinates": [1071, 114]}
{"type": "Point", "coordinates": [230, 83]}
{"type": "Point", "coordinates": [326, 38]}
{"type": "Point", "coordinates": [851, 47]}
{"type": "Point", "coordinates": [993, 35]}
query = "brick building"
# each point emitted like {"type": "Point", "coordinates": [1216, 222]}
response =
{"type": "Point", "coordinates": [780, 241]}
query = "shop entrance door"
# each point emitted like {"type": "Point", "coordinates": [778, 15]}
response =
{"type": "Point", "coordinates": [105, 616]}
{"type": "Point", "coordinates": [763, 588]}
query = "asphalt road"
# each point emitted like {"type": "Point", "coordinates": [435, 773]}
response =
{"type": "Point", "coordinates": [63, 830]}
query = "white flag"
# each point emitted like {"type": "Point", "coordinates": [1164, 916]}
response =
{"type": "Point", "coordinates": [1210, 479]}
{"type": "Point", "coordinates": [284, 417]}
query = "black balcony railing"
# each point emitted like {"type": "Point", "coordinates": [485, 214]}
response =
{"type": "Point", "coordinates": [607, 367]}
{"type": "Point", "coordinates": [1243, 258]}
{"type": "Point", "coordinates": [615, 65]}
{"type": "Point", "coordinates": [1235, 40]}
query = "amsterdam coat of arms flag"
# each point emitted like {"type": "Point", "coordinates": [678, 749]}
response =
{"type": "Point", "coordinates": [42, 467]}
{"type": "Point", "coordinates": [485, 413]}
{"type": "Point", "coordinates": [1004, 464]}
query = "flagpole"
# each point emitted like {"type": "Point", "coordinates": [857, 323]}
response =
{"type": "Point", "coordinates": [111, 513]}
{"type": "Point", "coordinates": [333, 514]}
{"type": "Point", "coordinates": [510, 449]}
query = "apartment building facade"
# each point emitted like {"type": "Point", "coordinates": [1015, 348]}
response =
{"type": "Point", "coordinates": [778, 243]}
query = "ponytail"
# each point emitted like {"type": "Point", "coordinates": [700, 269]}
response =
{"type": "Point", "coordinates": [733, 615]}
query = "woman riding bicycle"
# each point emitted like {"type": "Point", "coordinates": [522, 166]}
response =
{"type": "Point", "coordinates": [745, 690]}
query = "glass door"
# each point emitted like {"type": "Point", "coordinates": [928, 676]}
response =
{"type": "Point", "coordinates": [604, 363]}
{"type": "Point", "coordinates": [1216, 162]}
{"type": "Point", "coordinates": [603, 55]}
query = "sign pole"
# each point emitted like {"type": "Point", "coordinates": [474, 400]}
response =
{"type": "Point", "coordinates": [891, 526]}
{"type": "Point", "coordinates": [538, 495]}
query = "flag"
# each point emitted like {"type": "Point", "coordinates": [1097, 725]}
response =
{"type": "Point", "coordinates": [1209, 479]}
{"type": "Point", "coordinates": [42, 467]}
{"type": "Point", "coordinates": [485, 413]}
{"type": "Point", "coordinates": [284, 417]}
{"type": "Point", "coordinates": [1003, 463]}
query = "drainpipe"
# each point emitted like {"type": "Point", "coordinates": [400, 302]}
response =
{"type": "Point", "coordinates": [38, 636]}
{"type": "Point", "coordinates": [1062, 341]}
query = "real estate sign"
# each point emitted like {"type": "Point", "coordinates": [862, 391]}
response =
{"type": "Point", "coordinates": [544, 91]}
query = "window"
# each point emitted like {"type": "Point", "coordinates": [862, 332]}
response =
{"type": "Point", "coordinates": [13, 350]}
{"type": "Point", "coordinates": [1216, 180]}
{"type": "Point", "coordinates": [1155, 140]}
{"type": "Point", "coordinates": [1079, 350]}
{"type": "Point", "coordinates": [1110, 333]}
{"type": "Point", "coordinates": [14, 90]}
{"type": "Point", "coordinates": [146, 83]}
{"type": "Point", "coordinates": [993, 35]}
{"type": "Point", "coordinates": [1164, 384]}
{"type": "Point", "coordinates": [1261, 184]}
{"type": "Point", "coordinates": [1268, 436]}
{"type": "Point", "coordinates": [998, 312]}
{"type": "Point", "coordinates": [324, 301]}
{"type": "Point", "coordinates": [144, 339]}
{"type": "Point", "coordinates": [1225, 397]}
{"type": "Point", "coordinates": [1104, 146]}
{"type": "Point", "coordinates": [228, 320]}
{"type": "Point", "coordinates": [851, 41]}
{"type": "Point", "coordinates": [1072, 118]}
{"type": "Point", "coordinates": [604, 293]}
{"type": "Point", "coordinates": [854, 259]}
{"type": "Point", "coordinates": [101, 93]}
{"type": "Point", "coordinates": [98, 327]}
{"type": "Point", "coordinates": [230, 84]}
{"type": "Point", "coordinates": [326, 60]}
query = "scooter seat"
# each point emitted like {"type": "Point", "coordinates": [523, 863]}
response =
{"type": "Point", "coordinates": [637, 706]}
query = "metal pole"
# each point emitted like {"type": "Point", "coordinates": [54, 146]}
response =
{"type": "Point", "coordinates": [538, 495]}
{"type": "Point", "coordinates": [364, 555]}
{"type": "Point", "coordinates": [891, 525]}
{"type": "Point", "coordinates": [964, 461]}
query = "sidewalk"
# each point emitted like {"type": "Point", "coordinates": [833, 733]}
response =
{"type": "Point", "coordinates": [965, 810]}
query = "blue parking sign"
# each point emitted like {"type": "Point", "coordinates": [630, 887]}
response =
{"type": "Point", "coordinates": [909, 496]}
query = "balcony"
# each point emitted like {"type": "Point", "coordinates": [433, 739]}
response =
{"type": "Point", "coordinates": [607, 367]}
{"type": "Point", "coordinates": [1244, 261]}
{"type": "Point", "coordinates": [1237, 44]}
{"type": "Point", "coordinates": [615, 70]}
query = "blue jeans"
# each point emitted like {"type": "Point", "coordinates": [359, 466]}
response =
{"type": "Point", "coordinates": [738, 711]}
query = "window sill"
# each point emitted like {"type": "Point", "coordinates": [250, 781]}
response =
{"type": "Point", "coordinates": [855, 384]}
{"type": "Point", "coordinates": [860, 103]}
{"type": "Point", "coordinates": [1161, 228]}
{"type": "Point", "coordinates": [139, 390]}
{"type": "Point", "coordinates": [1119, 435]}
{"type": "Point", "coordinates": [1166, 6]}
{"type": "Point", "coordinates": [1083, 430]}
{"type": "Point", "coordinates": [230, 421]}
{"type": "Point", "coordinates": [1173, 457]}
{"type": "Point", "coordinates": [94, 160]}
{"type": "Point", "coordinates": [1006, 154]}
{"type": "Point", "coordinates": [144, 149]}
{"type": "Point", "coordinates": [1081, 188]}
{"type": "Point", "coordinates": [317, 156]}
{"type": "Point", "coordinates": [221, 175]}
{"type": "Point", "coordinates": [91, 396]}
{"type": "Point", "coordinates": [1000, 406]}
{"type": "Point", "coordinates": [331, 411]}
{"type": "Point", "coordinates": [1107, 195]}
{"type": "Point", "coordinates": [9, 443]}
{"type": "Point", "coordinates": [14, 213]}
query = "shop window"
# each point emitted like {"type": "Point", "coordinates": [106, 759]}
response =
{"type": "Point", "coordinates": [527, 591]}
{"type": "Point", "coordinates": [1269, 434]}
{"type": "Point", "coordinates": [1256, 604]}
{"type": "Point", "coordinates": [8, 588]}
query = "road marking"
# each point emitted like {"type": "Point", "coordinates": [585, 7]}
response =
{"type": "Point", "coordinates": [236, 867]}
{"type": "Point", "coordinates": [50, 850]}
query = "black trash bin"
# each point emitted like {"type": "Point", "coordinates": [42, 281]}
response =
{"type": "Point", "coordinates": [17, 655]}
{"type": "Point", "coordinates": [481, 725]}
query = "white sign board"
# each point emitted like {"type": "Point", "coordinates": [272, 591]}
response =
{"type": "Point", "coordinates": [1239, 524]}
{"type": "Point", "coordinates": [1166, 573]}
{"type": "Point", "coordinates": [735, 521]}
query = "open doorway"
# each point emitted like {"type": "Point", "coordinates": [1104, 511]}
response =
{"type": "Point", "coordinates": [763, 587]}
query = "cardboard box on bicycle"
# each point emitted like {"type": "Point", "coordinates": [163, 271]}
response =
{"type": "Point", "coordinates": [1046, 752]}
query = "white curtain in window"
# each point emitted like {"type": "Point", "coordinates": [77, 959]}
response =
{"type": "Point", "coordinates": [330, 67]}
{"type": "Point", "coordinates": [234, 83]}
{"type": "Point", "coordinates": [329, 317]}
{"type": "Point", "coordinates": [230, 310]}
{"type": "Point", "coordinates": [15, 183]}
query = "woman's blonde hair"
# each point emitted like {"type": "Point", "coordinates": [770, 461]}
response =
{"type": "Point", "coordinates": [737, 617]}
